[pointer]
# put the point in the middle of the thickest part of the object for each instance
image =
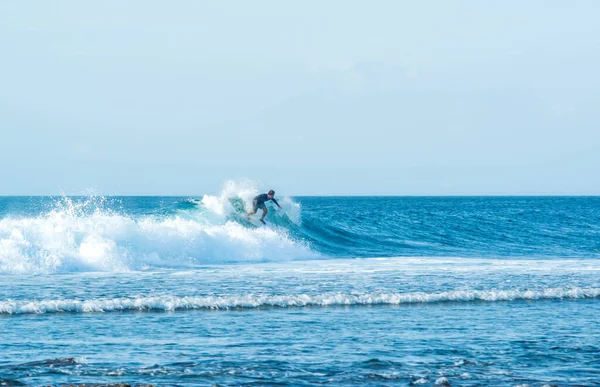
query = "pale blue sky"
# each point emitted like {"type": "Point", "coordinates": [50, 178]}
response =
{"type": "Point", "coordinates": [316, 97]}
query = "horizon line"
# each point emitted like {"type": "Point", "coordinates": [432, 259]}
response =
{"type": "Point", "coordinates": [311, 195]}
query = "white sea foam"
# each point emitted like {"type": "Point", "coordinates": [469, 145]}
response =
{"type": "Point", "coordinates": [250, 301]}
{"type": "Point", "coordinates": [88, 237]}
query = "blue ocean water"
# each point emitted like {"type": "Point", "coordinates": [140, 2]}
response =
{"type": "Point", "coordinates": [459, 291]}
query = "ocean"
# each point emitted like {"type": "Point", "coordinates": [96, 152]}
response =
{"type": "Point", "coordinates": [373, 291]}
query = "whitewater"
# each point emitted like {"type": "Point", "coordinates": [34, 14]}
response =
{"type": "Point", "coordinates": [101, 234]}
{"type": "Point", "coordinates": [339, 290]}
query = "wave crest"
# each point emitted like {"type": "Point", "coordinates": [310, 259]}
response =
{"type": "Point", "coordinates": [250, 301]}
{"type": "Point", "coordinates": [92, 235]}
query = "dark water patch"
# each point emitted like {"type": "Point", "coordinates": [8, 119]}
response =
{"type": "Point", "coordinates": [10, 383]}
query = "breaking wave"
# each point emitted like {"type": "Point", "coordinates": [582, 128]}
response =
{"type": "Point", "coordinates": [93, 234]}
{"type": "Point", "coordinates": [250, 301]}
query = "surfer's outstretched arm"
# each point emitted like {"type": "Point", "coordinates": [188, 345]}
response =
{"type": "Point", "coordinates": [275, 201]}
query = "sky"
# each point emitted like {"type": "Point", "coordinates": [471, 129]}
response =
{"type": "Point", "coordinates": [308, 98]}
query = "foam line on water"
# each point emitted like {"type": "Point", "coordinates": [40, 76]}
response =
{"type": "Point", "coordinates": [251, 301]}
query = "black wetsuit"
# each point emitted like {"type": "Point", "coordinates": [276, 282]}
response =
{"type": "Point", "coordinates": [259, 201]}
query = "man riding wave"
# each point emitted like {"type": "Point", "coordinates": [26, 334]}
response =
{"type": "Point", "coordinates": [259, 202]}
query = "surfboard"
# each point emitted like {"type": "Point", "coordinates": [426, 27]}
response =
{"type": "Point", "coordinates": [255, 220]}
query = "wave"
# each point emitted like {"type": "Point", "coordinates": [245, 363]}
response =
{"type": "Point", "coordinates": [250, 301]}
{"type": "Point", "coordinates": [92, 235]}
{"type": "Point", "coordinates": [68, 234]}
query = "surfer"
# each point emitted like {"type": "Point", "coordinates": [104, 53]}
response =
{"type": "Point", "coordinates": [259, 202]}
